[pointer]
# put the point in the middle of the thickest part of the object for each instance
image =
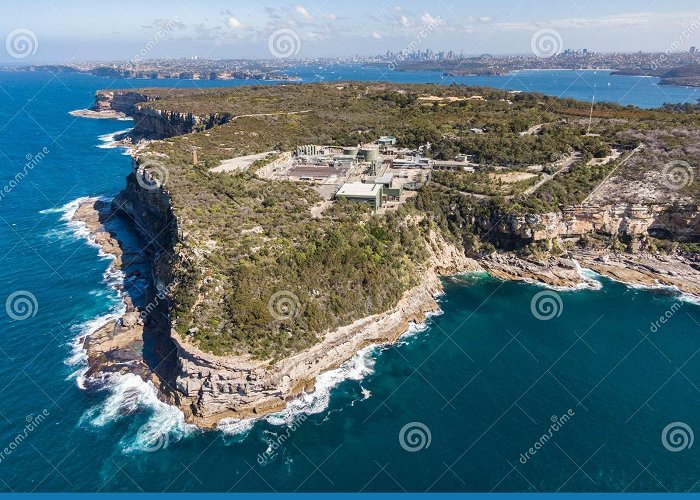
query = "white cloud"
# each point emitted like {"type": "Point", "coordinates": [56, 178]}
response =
{"type": "Point", "coordinates": [428, 19]}
{"type": "Point", "coordinates": [301, 10]}
{"type": "Point", "coordinates": [404, 21]}
{"type": "Point", "coordinates": [234, 23]}
{"type": "Point", "coordinates": [625, 20]}
{"type": "Point", "coordinates": [329, 16]}
{"type": "Point", "coordinates": [376, 35]}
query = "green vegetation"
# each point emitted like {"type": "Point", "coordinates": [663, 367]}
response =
{"type": "Point", "coordinates": [257, 274]}
{"type": "Point", "coordinates": [487, 181]}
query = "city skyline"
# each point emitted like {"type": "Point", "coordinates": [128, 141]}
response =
{"type": "Point", "coordinates": [80, 31]}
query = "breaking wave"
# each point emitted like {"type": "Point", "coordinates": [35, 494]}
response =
{"type": "Point", "coordinates": [357, 368]}
{"type": "Point", "coordinates": [74, 229]}
{"type": "Point", "coordinates": [109, 141]}
{"type": "Point", "coordinates": [130, 395]}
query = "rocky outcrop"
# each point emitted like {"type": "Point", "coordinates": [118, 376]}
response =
{"type": "Point", "coordinates": [115, 347]}
{"type": "Point", "coordinates": [121, 101]}
{"type": "Point", "coordinates": [557, 272]}
{"type": "Point", "coordinates": [635, 221]}
{"type": "Point", "coordinates": [151, 122]}
{"type": "Point", "coordinates": [646, 269]}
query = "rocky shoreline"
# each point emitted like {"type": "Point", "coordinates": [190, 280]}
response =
{"type": "Point", "coordinates": [209, 388]}
{"type": "Point", "coordinates": [647, 270]}
{"type": "Point", "coordinates": [641, 269]}
{"type": "Point", "coordinates": [106, 114]}
{"type": "Point", "coordinates": [115, 347]}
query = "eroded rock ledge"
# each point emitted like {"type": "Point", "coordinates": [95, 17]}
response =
{"type": "Point", "coordinates": [150, 122]}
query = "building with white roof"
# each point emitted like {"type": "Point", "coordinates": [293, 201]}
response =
{"type": "Point", "coordinates": [362, 193]}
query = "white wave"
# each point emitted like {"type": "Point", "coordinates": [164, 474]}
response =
{"type": "Point", "coordinates": [591, 279]}
{"type": "Point", "coordinates": [129, 394]}
{"type": "Point", "coordinates": [690, 298]}
{"type": "Point", "coordinates": [109, 141]}
{"type": "Point", "coordinates": [357, 368]}
{"type": "Point", "coordinates": [75, 228]}
{"type": "Point", "coordinates": [433, 314]}
{"type": "Point", "coordinates": [91, 326]}
{"type": "Point", "coordinates": [366, 393]}
{"type": "Point", "coordinates": [78, 356]}
{"type": "Point", "coordinates": [235, 426]}
{"type": "Point", "coordinates": [68, 210]}
{"type": "Point", "coordinates": [683, 296]}
{"type": "Point", "coordinates": [415, 328]}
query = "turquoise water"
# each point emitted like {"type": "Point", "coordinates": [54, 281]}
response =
{"type": "Point", "coordinates": [483, 379]}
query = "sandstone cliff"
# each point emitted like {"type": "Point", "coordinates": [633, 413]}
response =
{"type": "Point", "coordinates": [150, 122]}
{"type": "Point", "coordinates": [122, 101]}
{"type": "Point", "coordinates": [677, 222]}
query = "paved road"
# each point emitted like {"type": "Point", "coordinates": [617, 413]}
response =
{"type": "Point", "coordinates": [592, 193]}
{"type": "Point", "coordinates": [568, 163]}
{"type": "Point", "coordinates": [273, 114]}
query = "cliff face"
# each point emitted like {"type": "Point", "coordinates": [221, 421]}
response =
{"type": "Point", "coordinates": [635, 221]}
{"type": "Point", "coordinates": [154, 220]}
{"type": "Point", "coordinates": [121, 101]}
{"type": "Point", "coordinates": [152, 123]}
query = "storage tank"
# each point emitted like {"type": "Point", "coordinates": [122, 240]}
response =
{"type": "Point", "coordinates": [369, 154]}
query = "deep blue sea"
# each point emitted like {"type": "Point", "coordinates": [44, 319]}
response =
{"type": "Point", "coordinates": [595, 394]}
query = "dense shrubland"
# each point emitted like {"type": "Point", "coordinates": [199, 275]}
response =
{"type": "Point", "coordinates": [246, 240]}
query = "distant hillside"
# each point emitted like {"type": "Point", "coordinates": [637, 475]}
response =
{"type": "Point", "coordinates": [688, 76]}
{"type": "Point", "coordinates": [691, 70]}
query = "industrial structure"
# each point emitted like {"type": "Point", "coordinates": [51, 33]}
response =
{"type": "Point", "coordinates": [361, 192]}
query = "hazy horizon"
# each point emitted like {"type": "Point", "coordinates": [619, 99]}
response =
{"type": "Point", "coordinates": [117, 31]}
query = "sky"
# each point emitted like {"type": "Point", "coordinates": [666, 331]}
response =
{"type": "Point", "coordinates": [45, 31]}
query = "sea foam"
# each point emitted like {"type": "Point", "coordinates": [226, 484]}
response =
{"type": "Point", "coordinates": [357, 368]}
{"type": "Point", "coordinates": [130, 395]}
{"type": "Point", "coordinates": [109, 141]}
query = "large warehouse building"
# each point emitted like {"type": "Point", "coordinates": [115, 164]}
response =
{"type": "Point", "coordinates": [362, 192]}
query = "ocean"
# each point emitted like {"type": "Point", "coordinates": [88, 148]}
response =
{"type": "Point", "coordinates": [491, 394]}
